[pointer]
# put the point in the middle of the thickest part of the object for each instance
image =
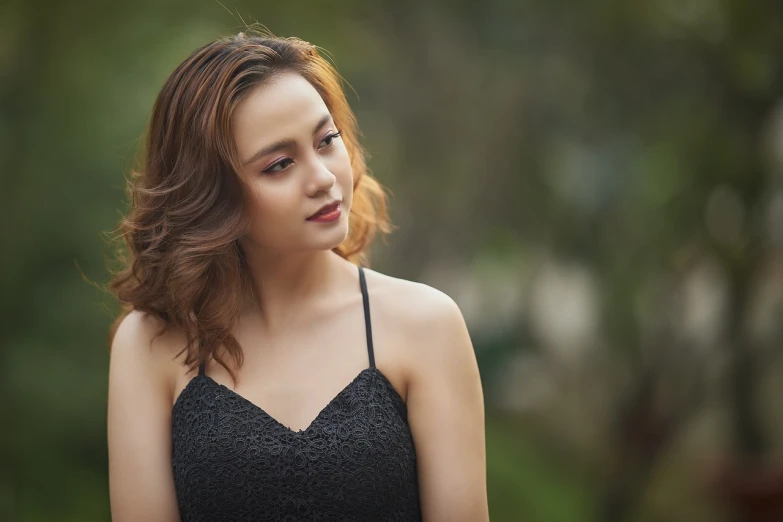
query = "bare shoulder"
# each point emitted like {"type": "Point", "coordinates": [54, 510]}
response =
{"type": "Point", "coordinates": [142, 347]}
{"type": "Point", "coordinates": [139, 421]}
{"type": "Point", "coordinates": [424, 319]}
{"type": "Point", "coordinates": [145, 336]}
{"type": "Point", "coordinates": [444, 396]}
{"type": "Point", "coordinates": [409, 300]}
{"type": "Point", "coordinates": [134, 329]}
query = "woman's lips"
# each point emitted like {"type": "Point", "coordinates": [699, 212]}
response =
{"type": "Point", "coordinates": [328, 214]}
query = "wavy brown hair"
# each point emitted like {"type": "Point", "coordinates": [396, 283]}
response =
{"type": "Point", "coordinates": [180, 257]}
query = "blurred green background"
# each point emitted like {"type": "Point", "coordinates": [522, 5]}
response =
{"type": "Point", "coordinates": [599, 185]}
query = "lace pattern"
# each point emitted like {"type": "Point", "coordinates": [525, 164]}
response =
{"type": "Point", "coordinates": [234, 462]}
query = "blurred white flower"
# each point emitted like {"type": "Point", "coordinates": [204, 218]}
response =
{"type": "Point", "coordinates": [564, 310]}
{"type": "Point", "coordinates": [702, 304]}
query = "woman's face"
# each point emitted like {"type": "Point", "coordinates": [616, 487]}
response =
{"type": "Point", "coordinates": [296, 163]}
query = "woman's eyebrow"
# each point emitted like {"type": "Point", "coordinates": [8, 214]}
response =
{"type": "Point", "coordinates": [286, 142]}
{"type": "Point", "coordinates": [323, 121]}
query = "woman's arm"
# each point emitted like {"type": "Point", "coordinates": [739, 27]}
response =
{"type": "Point", "coordinates": [141, 484]}
{"type": "Point", "coordinates": [446, 415]}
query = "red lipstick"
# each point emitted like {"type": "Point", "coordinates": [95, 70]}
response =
{"type": "Point", "coordinates": [327, 214]}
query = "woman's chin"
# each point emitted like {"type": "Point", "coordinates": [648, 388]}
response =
{"type": "Point", "coordinates": [331, 239]}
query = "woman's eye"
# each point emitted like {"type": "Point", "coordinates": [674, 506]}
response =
{"type": "Point", "coordinates": [286, 162]}
{"type": "Point", "coordinates": [279, 166]}
{"type": "Point", "coordinates": [327, 141]}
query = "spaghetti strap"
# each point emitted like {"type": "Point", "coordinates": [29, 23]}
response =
{"type": "Point", "coordinates": [367, 323]}
{"type": "Point", "coordinates": [202, 369]}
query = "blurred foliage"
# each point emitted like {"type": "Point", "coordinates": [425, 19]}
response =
{"type": "Point", "coordinates": [635, 139]}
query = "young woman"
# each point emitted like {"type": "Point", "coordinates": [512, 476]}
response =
{"type": "Point", "coordinates": [260, 372]}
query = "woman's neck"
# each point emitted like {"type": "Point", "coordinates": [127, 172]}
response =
{"type": "Point", "coordinates": [289, 285]}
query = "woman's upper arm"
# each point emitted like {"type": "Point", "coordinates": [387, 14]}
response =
{"type": "Point", "coordinates": [446, 416]}
{"type": "Point", "coordinates": [141, 484]}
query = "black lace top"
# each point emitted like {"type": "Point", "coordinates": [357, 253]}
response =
{"type": "Point", "coordinates": [355, 462]}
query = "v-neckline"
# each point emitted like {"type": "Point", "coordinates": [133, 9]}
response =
{"type": "Point", "coordinates": [288, 429]}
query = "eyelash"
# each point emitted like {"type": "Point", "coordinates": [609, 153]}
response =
{"type": "Point", "coordinates": [285, 161]}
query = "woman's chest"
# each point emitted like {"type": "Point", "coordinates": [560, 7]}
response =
{"type": "Point", "coordinates": [359, 447]}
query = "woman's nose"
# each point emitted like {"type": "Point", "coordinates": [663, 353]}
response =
{"type": "Point", "coordinates": [321, 179]}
